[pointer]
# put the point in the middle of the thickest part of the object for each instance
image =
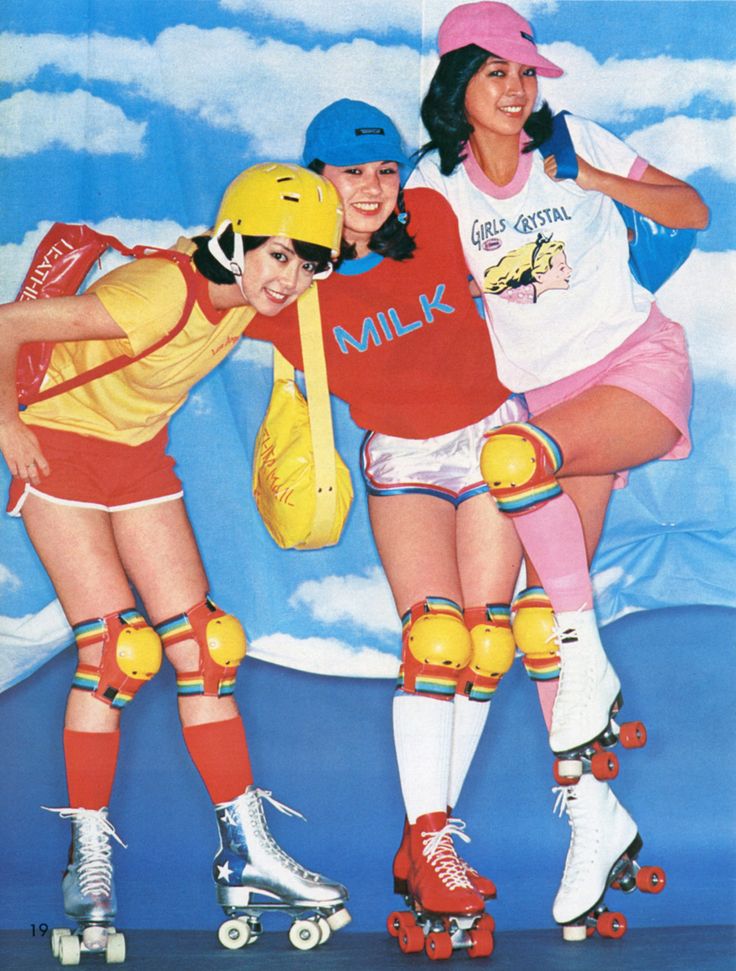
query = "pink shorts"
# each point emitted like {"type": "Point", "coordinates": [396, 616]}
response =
{"type": "Point", "coordinates": [98, 474]}
{"type": "Point", "coordinates": [652, 363]}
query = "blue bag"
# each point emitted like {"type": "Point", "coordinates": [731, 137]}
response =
{"type": "Point", "coordinates": [655, 251]}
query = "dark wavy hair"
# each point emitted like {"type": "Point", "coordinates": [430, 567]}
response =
{"type": "Point", "coordinates": [392, 239]}
{"type": "Point", "coordinates": [443, 109]}
{"type": "Point", "coordinates": [214, 271]}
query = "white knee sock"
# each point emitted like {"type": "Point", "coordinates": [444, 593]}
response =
{"type": "Point", "coordinates": [469, 722]}
{"type": "Point", "coordinates": [423, 740]}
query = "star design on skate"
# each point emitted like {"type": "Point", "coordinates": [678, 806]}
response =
{"type": "Point", "coordinates": [224, 871]}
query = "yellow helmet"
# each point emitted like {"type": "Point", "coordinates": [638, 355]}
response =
{"type": "Point", "coordinates": [275, 199]}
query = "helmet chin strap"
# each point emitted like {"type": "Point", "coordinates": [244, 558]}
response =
{"type": "Point", "coordinates": [236, 263]}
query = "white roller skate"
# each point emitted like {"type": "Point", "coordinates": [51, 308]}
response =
{"type": "Point", "coordinates": [589, 691]}
{"type": "Point", "coordinates": [254, 875]}
{"type": "Point", "coordinates": [603, 849]}
{"type": "Point", "coordinates": [89, 894]}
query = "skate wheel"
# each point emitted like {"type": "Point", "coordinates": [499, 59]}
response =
{"type": "Point", "coordinates": [115, 950]}
{"type": "Point", "coordinates": [574, 932]}
{"type": "Point", "coordinates": [233, 934]}
{"type": "Point", "coordinates": [651, 879]}
{"type": "Point", "coordinates": [70, 949]}
{"type": "Point", "coordinates": [438, 946]}
{"type": "Point", "coordinates": [338, 918]}
{"type": "Point", "coordinates": [633, 735]}
{"type": "Point", "coordinates": [604, 765]}
{"type": "Point", "coordinates": [567, 772]}
{"type": "Point", "coordinates": [304, 935]}
{"type": "Point", "coordinates": [397, 921]}
{"type": "Point", "coordinates": [411, 940]}
{"type": "Point", "coordinates": [611, 924]}
{"type": "Point", "coordinates": [481, 944]}
{"type": "Point", "coordinates": [486, 923]}
{"type": "Point", "coordinates": [325, 931]}
{"type": "Point", "coordinates": [56, 934]}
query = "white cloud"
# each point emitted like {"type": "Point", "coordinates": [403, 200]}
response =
{"type": "Point", "coordinates": [365, 601]}
{"type": "Point", "coordinates": [372, 16]}
{"type": "Point", "coordinates": [682, 146]}
{"type": "Point", "coordinates": [32, 122]}
{"type": "Point", "coordinates": [30, 641]}
{"type": "Point", "coordinates": [616, 89]}
{"type": "Point", "coordinates": [324, 655]}
{"type": "Point", "coordinates": [8, 579]}
{"type": "Point", "coordinates": [701, 297]}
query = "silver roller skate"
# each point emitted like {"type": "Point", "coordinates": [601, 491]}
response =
{"type": "Point", "coordinates": [89, 894]}
{"type": "Point", "coordinates": [253, 875]}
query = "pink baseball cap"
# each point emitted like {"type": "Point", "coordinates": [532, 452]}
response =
{"type": "Point", "coordinates": [499, 29]}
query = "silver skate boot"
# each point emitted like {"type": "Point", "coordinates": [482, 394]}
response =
{"type": "Point", "coordinates": [603, 849]}
{"type": "Point", "coordinates": [589, 690]}
{"type": "Point", "coordinates": [250, 863]}
{"type": "Point", "coordinates": [88, 890]}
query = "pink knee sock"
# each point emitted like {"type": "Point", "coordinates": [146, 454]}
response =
{"type": "Point", "coordinates": [553, 538]}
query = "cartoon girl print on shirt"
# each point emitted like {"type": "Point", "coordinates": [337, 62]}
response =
{"type": "Point", "coordinates": [524, 274]}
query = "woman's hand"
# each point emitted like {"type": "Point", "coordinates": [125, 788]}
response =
{"type": "Point", "coordinates": [22, 452]}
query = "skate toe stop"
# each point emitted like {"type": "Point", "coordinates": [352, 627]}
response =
{"type": "Point", "coordinates": [339, 919]}
{"type": "Point", "coordinates": [574, 932]}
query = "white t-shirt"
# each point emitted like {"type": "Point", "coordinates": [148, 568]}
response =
{"type": "Point", "coordinates": [563, 297]}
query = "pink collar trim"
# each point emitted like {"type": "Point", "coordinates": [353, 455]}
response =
{"type": "Point", "coordinates": [481, 181]}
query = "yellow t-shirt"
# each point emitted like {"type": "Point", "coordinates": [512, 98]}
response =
{"type": "Point", "coordinates": [131, 405]}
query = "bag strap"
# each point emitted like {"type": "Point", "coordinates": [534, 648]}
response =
{"type": "Point", "coordinates": [320, 415]}
{"type": "Point", "coordinates": [123, 360]}
{"type": "Point", "coordinates": [560, 145]}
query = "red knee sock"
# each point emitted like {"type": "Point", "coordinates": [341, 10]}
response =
{"type": "Point", "coordinates": [220, 753]}
{"type": "Point", "coordinates": [91, 759]}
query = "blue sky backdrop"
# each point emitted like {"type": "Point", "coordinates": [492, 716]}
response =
{"type": "Point", "coordinates": [134, 116]}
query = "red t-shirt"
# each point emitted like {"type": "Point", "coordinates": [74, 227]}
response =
{"type": "Point", "coordinates": [405, 345]}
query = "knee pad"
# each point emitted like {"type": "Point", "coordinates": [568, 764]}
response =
{"type": "Point", "coordinates": [435, 648]}
{"type": "Point", "coordinates": [221, 641]}
{"type": "Point", "coordinates": [493, 650]}
{"type": "Point", "coordinates": [519, 462]}
{"type": "Point", "coordinates": [534, 632]}
{"type": "Point", "coordinates": [131, 655]}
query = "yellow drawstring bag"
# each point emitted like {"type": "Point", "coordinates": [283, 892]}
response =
{"type": "Point", "coordinates": [301, 485]}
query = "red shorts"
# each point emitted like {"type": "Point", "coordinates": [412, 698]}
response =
{"type": "Point", "coordinates": [98, 474]}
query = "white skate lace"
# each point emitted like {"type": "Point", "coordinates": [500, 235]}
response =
{"type": "Point", "coordinates": [94, 867]}
{"type": "Point", "coordinates": [259, 818]}
{"type": "Point", "coordinates": [584, 833]}
{"type": "Point", "coordinates": [441, 854]}
{"type": "Point", "coordinates": [576, 679]}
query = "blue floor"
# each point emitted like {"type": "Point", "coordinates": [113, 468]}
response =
{"type": "Point", "coordinates": [661, 949]}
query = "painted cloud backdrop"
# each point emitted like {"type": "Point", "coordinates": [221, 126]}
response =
{"type": "Point", "coordinates": [134, 117]}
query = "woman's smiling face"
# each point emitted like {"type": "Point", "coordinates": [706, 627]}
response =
{"type": "Point", "coordinates": [500, 96]}
{"type": "Point", "coordinates": [275, 275]}
{"type": "Point", "coordinates": [369, 193]}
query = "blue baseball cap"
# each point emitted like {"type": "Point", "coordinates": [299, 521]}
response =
{"type": "Point", "coordinates": [350, 133]}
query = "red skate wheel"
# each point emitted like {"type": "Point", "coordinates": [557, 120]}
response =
{"type": "Point", "coordinates": [633, 735]}
{"type": "Point", "coordinates": [411, 940]}
{"type": "Point", "coordinates": [481, 944]}
{"type": "Point", "coordinates": [611, 924]}
{"type": "Point", "coordinates": [397, 921]}
{"type": "Point", "coordinates": [486, 923]}
{"type": "Point", "coordinates": [438, 946]}
{"type": "Point", "coordinates": [651, 879]}
{"type": "Point", "coordinates": [604, 765]}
